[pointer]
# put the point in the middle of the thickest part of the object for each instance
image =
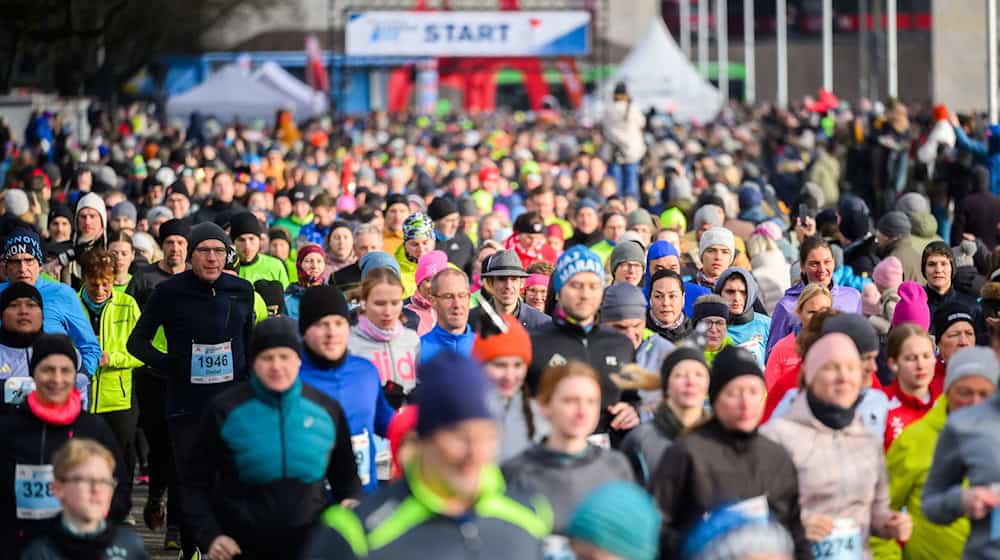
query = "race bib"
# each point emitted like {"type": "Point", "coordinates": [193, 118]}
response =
{"type": "Point", "coordinates": [556, 547]}
{"type": "Point", "coordinates": [600, 440]}
{"type": "Point", "coordinates": [33, 491]}
{"type": "Point", "coordinates": [843, 543]}
{"type": "Point", "coordinates": [211, 363]}
{"type": "Point", "coordinates": [16, 389]}
{"type": "Point", "coordinates": [753, 508]}
{"type": "Point", "coordinates": [362, 456]}
{"type": "Point", "coordinates": [383, 458]}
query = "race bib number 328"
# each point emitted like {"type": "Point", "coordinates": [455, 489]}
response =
{"type": "Point", "coordinates": [33, 492]}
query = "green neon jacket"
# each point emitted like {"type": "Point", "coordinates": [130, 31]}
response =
{"type": "Point", "coordinates": [406, 520]}
{"type": "Point", "coordinates": [111, 389]}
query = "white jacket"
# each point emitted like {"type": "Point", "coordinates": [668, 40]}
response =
{"type": "Point", "coordinates": [623, 123]}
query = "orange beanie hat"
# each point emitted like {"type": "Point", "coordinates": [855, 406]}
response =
{"type": "Point", "coordinates": [514, 342]}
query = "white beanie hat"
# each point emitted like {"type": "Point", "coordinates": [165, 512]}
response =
{"type": "Point", "coordinates": [717, 236]}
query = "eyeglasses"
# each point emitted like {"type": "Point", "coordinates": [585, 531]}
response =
{"type": "Point", "coordinates": [713, 323]}
{"type": "Point", "coordinates": [453, 297]}
{"type": "Point", "coordinates": [20, 262]}
{"type": "Point", "coordinates": [94, 483]}
{"type": "Point", "coordinates": [206, 251]}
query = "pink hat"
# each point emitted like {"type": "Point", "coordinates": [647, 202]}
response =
{"type": "Point", "coordinates": [870, 298]}
{"type": "Point", "coordinates": [769, 229]}
{"type": "Point", "coordinates": [912, 306]}
{"type": "Point", "coordinates": [430, 264]}
{"type": "Point", "coordinates": [346, 204]}
{"type": "Point", "coordinates": [537, 279]}
{"type": "Point", "coordinates": [888, 274]}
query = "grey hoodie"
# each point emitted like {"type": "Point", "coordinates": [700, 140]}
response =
{"type": "Point", "coordinates": [968, 449]}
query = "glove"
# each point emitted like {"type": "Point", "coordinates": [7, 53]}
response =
{"type": "Point", "coordinates": [394, 394]}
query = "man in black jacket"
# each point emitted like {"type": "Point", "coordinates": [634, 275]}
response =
{"type": "Point", "coordinates": [453, 242]}
{"type": "Point", "coordinates": [574, 334]}
{"type": "Point", "coordinates": [503, 279]}
{"type": "Point", "coordinates": [207, 317]}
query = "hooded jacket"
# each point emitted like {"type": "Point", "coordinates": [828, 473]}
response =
{"type": "Point", "coordinates": [749, 330]}
{"type": "Point", "coordinates": [784, 320]}
{"type": "Point", "coordinates": [985, 154]}
{"type": "Point", "coordinates": [773, 275]}
{"type": "Point", "coordinates": [355, 385]}
{"type": "Point", "coordinates": [407, 271]}
{"type": "Point", "coordinates": [264, 459]}
{"type": "Point", "coordinates": [967, 451]}
{"type": "Point", "coordinates": [909, 462]}
{"type": "Point", "coordinates": [112, 386]}
{"type": "Point", "coordinates": [906, 250]}
{"type": "Point", "coordinates": [841, 473]}
{"type": "Point", "coordinates": [395, 358]}
{"type": "Point", "coordinates": [564, 479]}
{"type": "Point", "coordinates": [711, 466]}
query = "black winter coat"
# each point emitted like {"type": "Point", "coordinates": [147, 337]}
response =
{"type": "Point", "coordinates": [862, 257]}
{"type": "Point", "coordinates": [460, 251]}
{"type": "Point", "coordinates": [60, 544]}
{"type": "Point", "coordinates": [710, 467]}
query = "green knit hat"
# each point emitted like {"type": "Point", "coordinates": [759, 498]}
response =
{"type": "Point", "coordinates": [621, 518]}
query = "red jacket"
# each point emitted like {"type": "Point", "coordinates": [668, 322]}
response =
{"type": "Point", "coordinates": [905, 409]}
{"type": "Point", "coordinates": [528, 257]}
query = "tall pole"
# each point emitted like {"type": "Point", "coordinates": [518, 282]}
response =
{"type": "Point", "coordinates": [722, 45]}
{"type": "Point", "coordinates": [750, 73]}
{"type": "Point", "coordinates": [782, 53]}
{"type": "Point", "coordinates": [828, 45]}
{"type": "Point", "coordinates": [686, 28]}
{"type": "Point", "coordinates": [991, 59]}
{"type": "Point", "coordinates": [863, 48]}
{"type": "Point", "coordinates": [890, 9]}
{"type": "Point", "coordinates": [703, 37]}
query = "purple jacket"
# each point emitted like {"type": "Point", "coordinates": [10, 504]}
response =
{"type": "Point", "coordinates": [784, 319]}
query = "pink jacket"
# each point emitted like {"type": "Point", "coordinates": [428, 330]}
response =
{"type": "Point", "coordinates": [842, 473]}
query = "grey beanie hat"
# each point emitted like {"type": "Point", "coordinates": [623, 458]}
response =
{"type": "Point", "coordinates": [627, 251]}
{"type": "Point", "coordinates": [158, 212]}
{"type": "Point", "coordinates": [717, 236]}
{"type": "Point", "coordinates": [623, 301]}
{"type": "Point", "coordinates": [708, 214]}
{"type": "Point", "coordinates": [894, 224]}
{"type": "Point", "coordinates": [974, 360]}
{"type": "Point", "coordinates": [205, 231]}
{"type": "Point", "coordinates": [125, 208]}
{"type": "Point", "coordinates": [16, 202]}
{"type": "Point", "coordinates": [913, 203]}
{"type": "Point", "coordinates": [639, 217]}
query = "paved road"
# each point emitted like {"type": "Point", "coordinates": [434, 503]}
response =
{"type": "Point", "coordinates": [154, 541]}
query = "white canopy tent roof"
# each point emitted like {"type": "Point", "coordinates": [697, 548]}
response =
{"type": "Point", "coordinates": [659, 75]}
{"type": "Point", "coordinates": [229, 94]}
{"type": "Point", "coordinates": [306, 100]}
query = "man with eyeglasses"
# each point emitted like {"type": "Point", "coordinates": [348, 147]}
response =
{"type": "Point", "coordinates": [22, 254]}
{"type": "Point", "coordinates": [710, 317]}
{"type": "Point", "coordinates": [450, 297]}
{"type": "Point", "coordinates": [207, 317]}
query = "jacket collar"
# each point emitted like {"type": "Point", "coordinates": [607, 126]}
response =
{"type": "Point", "coordinates": [800, 413]}
{"type": "Point", "coordinates": [271, 397]}
{"type": "Point", "coordinates": [491, 484]}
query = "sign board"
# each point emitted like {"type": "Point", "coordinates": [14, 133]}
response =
{"type": "Point", "coordinates": [471, 34]}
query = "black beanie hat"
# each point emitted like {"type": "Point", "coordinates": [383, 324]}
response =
{"type": "Point", "coordinates": [730, 363]}
{"type": "Point", "coordinates": [205, 231]}
{"type": "Point", "coordinates": [676, 357]}
{"type": "Point", "coordinates": [949, 314]}
{"type": "Point", "coordinates": [59, 209]}
{"type": "Point", "coordinates": [242, 223]}
{"type": "Point", "coordinates": [855, 326]}
{"type": "Point", "coordinates": [440, 208]}
{"type": "Point", "coordinates": [48, 344]}
{"type": "Point", "coordinates": [273, 295]}
{"type": "Point", "coordinates": [318, 302]}
{"type": "Point", "coordinates": [275, 332]}
{"type": "Point", "coordinates": [19, 290]}
{"type": "Point", "coordinates": [174, 227]}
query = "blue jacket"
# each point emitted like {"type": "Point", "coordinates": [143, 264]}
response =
{"type": "Point", "coordinates": [749, 330]}
{"type": "Point", "coordinates": [439, 339]}
{"type": "Point", "coordinates": [355, 385]}
{"type": "Point", "coordinates": [845, 276]}
{"type": "Point", "coordinates": [293, 296]}
{"type": "Point", "coordinates": [264, 459]}
{"type": "Point", "coordinates": [64, 314]}
{"type": "Point", "coordinates": [693, 291]}
{"type": "Point", "coordinates": [193, 311]}
{"type": "Point", "coordinates": [314, 234]}
{"type": "Point", "coordinates": [988, 155]}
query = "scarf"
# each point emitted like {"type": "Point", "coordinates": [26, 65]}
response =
{"type": "Point", "coordinates": [667, 421]}
{"type": "Point", "coordinates": [420, 301]}
{"type": "Point", "coordinates": [831, 415]}
{"type": "Point", "coordinates": [13, 339]}
{"type": "Point", "coordinates": [56, 414]}
{"type": "Point", "coordinates": [378, 334]}
{"type": "Point", "coordinates": [673, 332]}
{"type": "Point", "coordinates": [95, 308]}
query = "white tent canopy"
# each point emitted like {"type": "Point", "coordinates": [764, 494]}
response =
{"type": "Point", "coordinates": [229, 94]}
{"type": "Point", "coordinates": [306, 100]}
{"type": "Point", "coordinates": [659, 75]}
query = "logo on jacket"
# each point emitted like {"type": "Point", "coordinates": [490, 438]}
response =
{"type": "Point", "coordinates": [308, 422]}
{"type": "Point", "coordinates": [115, 553]}
{"type": "Point", "coordinates": [557, 359]}
{"type": "Point", "coordinates": [611, 361]}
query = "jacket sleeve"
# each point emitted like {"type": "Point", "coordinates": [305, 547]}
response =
{"type": "Point", "coordinates": [881, 510]}
{"type": "Point", "coordinates": [338, 534]}
{"type": "Point", "coordinates": [383, 412]}
{"type": "Point", "coordinates": [974, 147]}
{"type": "Point", "coordinates": [942, 498]}
{"type": "Point", "coordinates": [78, 328]}
{"type": "Point", "coordinates": [140, 343]}
{"type": "Point", "coordinates": [196, 479]}
{"type": "Point", "coordinates": [670, 487]}
{"type": "Point", "coordinates": [903, 476]}
{"type": "Point", "coordinates": [342, 469]}
{"type": "Point", "coordinates": [118, 357]}
{"type": "Point", "coordinates": [779, 328]}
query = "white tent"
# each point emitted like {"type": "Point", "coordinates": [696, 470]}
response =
{"type": "Point", "coordinates": [228, 94]}
{"type": "Point", "coordinates": [658, 75]}
{"type": "Point", "coordinates": [307, 101]}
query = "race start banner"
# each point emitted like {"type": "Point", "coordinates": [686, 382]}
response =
{"type": "Point", "coordinates": [468, 34]}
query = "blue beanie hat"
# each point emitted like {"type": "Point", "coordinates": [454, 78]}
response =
{"type": "Point", "coordinates": [574, 261]}
{"type": "Point", "coordinates": [376, 259]}
{"type": "Point", "coordinates": [750, 197]}
{"type": "Point", "coordinates": [452, 388]}
{"type": "Point", "coordinates": [731, 533]}
{"type": "Point", "coordinates": [23, 241]}
{"type": "Point", "coordinates": [619, 517]}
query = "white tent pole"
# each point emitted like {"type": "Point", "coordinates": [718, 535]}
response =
{"type": "Point", "coordinates": [686, 27]}
{"type": "Point", "coordinates": [749, 72]}
{"type": "Point", "coordinates": [828, 45]}
{"type": "Point", "coordinates": [782, 53]}
{"type": "Point", "coordinates": [703, 37]}
{"type": "Point", "coordinates": [991, 59]}
{"type": "Point", "coordinates": [722, 45]}
{"type": "Point", "coordinates": [890, 9]}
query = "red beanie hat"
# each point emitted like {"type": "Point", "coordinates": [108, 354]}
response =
{"type": "Point", "coordinates": [514, 342]}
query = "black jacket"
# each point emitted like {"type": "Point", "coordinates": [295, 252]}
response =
{"type": "Point", "coordinates": [212, 211]}
{"type": "Point", "coordinates": [862, 257]}
{"type": "Point", "coordinates": [60, 544]}
{"type": "Point", "coordinates": [25, 439]}
{"type": "Point", "coordinates": [935, 301]}
{"type": "Point", "coordinates": [347, 278]}
{"type": "Point", "coordinates": [193, 311]}
{"type": "Point", "coordinates": [144, 281]}
{"type": "Point", "coordinates": [460, 250]}
{"type": "Point", "coordinates": [710, 467]}
{"type": "Point", "coordinates": [531, 318]}
{"type": "Point", "coordinates": [606, 351]}
{"type": "Point", "coordinates": [977, 214]}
